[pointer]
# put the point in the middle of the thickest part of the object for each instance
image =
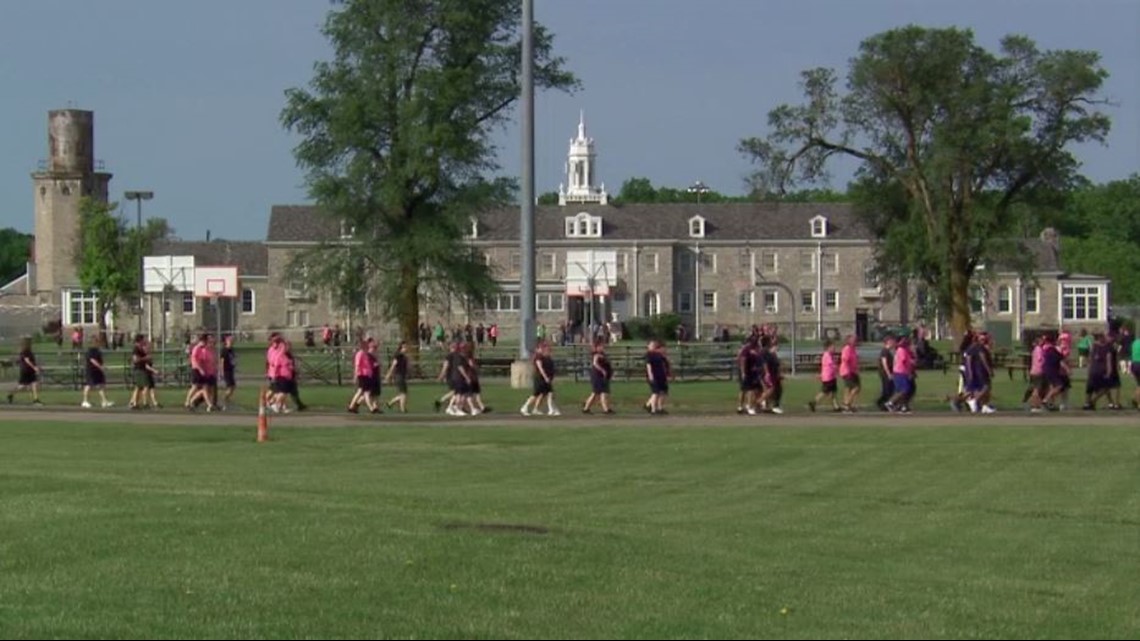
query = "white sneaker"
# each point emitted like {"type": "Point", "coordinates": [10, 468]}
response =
{"type": "Point", "coordinates": [750, 411]}
{"type": "Point", "coordinates": [524, 411]}
{"type": "Point", "coordinates": [107, 404]}
{"type": "Point", "coordinates": [777, 410]}
{"type": "Point", "coordinates": [554, 412]}
{"type": "Point", "coordinates": [973, 405]}
{"type": "Point", "coordinates": [85, 405]}
{"type": "Point", "coordinates": [988, 409]}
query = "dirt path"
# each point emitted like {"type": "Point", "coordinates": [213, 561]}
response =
{"type": "Point", "coordinates": [332, 420]}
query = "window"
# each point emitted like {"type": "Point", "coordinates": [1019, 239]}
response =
{"type": "Point", "coordinates": [297, 318]}
{"type": "Point", "coordinates": [870, 276]}
{"type": "Point", "coordinates": [685, 302]}
{"type": "Point", "coordinates": [744, 261]}
{"type": "Point", "coordinates": [187, 302]}
{"type": "Point", "coordinates": [347, 231]}
{"type": "Point", "coordinates": [298, 285]}
{"type": "Point", "coordinates": [685, 261]}
{"type": "Point", "coordinates": [1081, 302]}
{"type": "Point", "coordinates": [708, 262]}
{"type": "Point", "coordinates": [652, 303]}
{"type": "Point", "coordinates": [977, 300]}
{"type": "Point", "coordinates": [247, 301]}
{"type": "Point", "coordinates": [622, 263]}
{"type": "Point", "coordinates": [769, 263]}
{"type": "Point", "coordinates": [473, 232]}
{"type": "Point", "coordinates": [708, 300]}
{"type": "Point", "coordinates": [831, 300]}
{"type": "Point", "coordinates": [584, 225]}
{"type": "Point", "coordinates": [290, 318]}
{"type": "Point", "coordinates": [771, 301]}
{"type": "Point", "coordinates": [697, 227]}
{"type": "Point", "coordinates": [504, 303]}
{"type": "Point", "coordinates": [80, 307]}
{"type": "Point", "coordinates": [819, 227]}
{"type": "Point", "coordinates": [1032, 296]}
{"type": "Point", "coordinates": [807, 262]}
{"type": "Point", "coordinates": [549, 302]}
{"type": "Point", "coordinates": [1005, 300]}
{"type": "Point", "coordinates": [831, 263]}
{"type": "Point", "coordinates": [516, 263]}
{"type": "Point", "coordinates": [549, 264]}
{"type": "Point", "coordinates": [649, 262]}
{"type": "Point", "coordinates": [746, 300]}
{"type": "Point", "coordinates": [807, 300]}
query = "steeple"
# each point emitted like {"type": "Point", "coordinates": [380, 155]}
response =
{"type": "Point", "coordinates": [580, 173]}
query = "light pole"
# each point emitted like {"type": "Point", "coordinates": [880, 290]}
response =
{"type": "Point", "coordinates": [139, 197]}
{"type": "Point", "coordinates": [699, 188]}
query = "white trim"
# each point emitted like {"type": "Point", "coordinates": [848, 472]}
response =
{"type": "Point", "coordinates": [252, 301]}
{"type": "Point", "coordinates": [193, 304]}
{"type": "Point", "coordinates": [697, 227]}
{"type": "Point", "coordinates": [1088, 291]}
{"type": "Point", "coordinates": [818, 227]}
{"type": "Point", "coordinates": [85, 300]}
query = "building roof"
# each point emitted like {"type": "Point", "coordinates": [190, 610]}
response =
{"type": "Point", "coordinates": [723, 222]}
{"type": "Point", "coordinates": [250, 257]}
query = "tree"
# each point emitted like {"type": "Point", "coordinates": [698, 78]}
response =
{"type": "Point", "coordinates": [548, 198]}
{"type": "Point", "coordinates": [641, 190]}
{"type": "Point", "coordinates": [108, 255]}
{"type": "Point", "coordinates": [15, 248]}
{"type": "Point", "coordinates": [957, 146]}
{"type": "Point", "coordinates": [396, 142]}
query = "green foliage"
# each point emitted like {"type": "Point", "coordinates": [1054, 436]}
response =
{"type": "Point", "coordinates": [396, 143]}
{"type": "Point", "coordinates": [1105, 255]}
{"type": "Point", "coordinates": [660, 327]}
{"type": "Point", "coordinates": [549, 198]}
{"type": "Point", "coordinates": [957, 147]}
{"type": "Point", "coordinates": [641, 190]}
{"type": "Point", "coordinates": [15, 248]}
{"type": "Point", "coordinates": [108, 254]}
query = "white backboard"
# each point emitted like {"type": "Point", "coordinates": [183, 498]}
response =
{"type": "Point", "coordinates": [591, 267]}
{"type": "Point", "coordinates": [159, 272]}
{"type": "Point", "coordinates": [216, 281]}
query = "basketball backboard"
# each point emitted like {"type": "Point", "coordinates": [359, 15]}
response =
{"type": "Point", "coordinates": [175, 272]}
{"type": "Point", "coordinates": [216, 281]}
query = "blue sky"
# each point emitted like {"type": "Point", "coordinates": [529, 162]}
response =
{"type": "Point", "coordinates": [187, 95]}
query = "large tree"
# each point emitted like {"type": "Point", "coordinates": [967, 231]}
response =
{"type": "Point", "coordinates": [15, 248]}
{"type": "Point", "coordinates": [108, 253]}
{"type": "Point", "coordinates": [396, 144]}
{"type": "Point", "coordinates": [956, 145]}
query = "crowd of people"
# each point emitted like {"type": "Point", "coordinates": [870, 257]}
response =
{"type": "Point", "coordinates": [1107, 356]}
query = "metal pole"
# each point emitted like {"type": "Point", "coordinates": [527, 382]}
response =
{"type": "Point", "coordinates": [138, 250]}
{"type": "Point", "coordinates": [526, 215]}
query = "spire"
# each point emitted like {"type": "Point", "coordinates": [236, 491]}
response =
{"type": "Point", "coordinates": [581, 170]}
{"type": "Point", "coordinates": [581, 124]}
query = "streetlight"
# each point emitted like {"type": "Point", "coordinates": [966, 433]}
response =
{"type": "Point", "coordinates": [139, 197]}
{"type": "Point", "coordinates": [699, 188]}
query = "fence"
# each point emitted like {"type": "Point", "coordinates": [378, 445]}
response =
{"type": "Point", "coordinates": [334, 366]}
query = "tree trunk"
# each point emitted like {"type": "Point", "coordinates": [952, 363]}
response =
{"type": "Point", "coordinates": [408, 307]}
{"type": "Point", "coordinates": [959, 302]}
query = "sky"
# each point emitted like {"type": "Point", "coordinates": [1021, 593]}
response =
{"type": "Point", "coordinates": [187, 95]}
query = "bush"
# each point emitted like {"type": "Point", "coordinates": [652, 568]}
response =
{"type": "Point", "coordinates": [660, 327]}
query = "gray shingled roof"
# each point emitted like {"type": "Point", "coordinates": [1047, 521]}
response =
{"type": "Point", "coordinates": [727, 221]}
{"type": "Point", "coordinates": [250, 257]}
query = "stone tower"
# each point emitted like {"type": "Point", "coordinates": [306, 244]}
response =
{"type": "Point", "coordinates": [69, 175]}
{"type": "Point", "coordinates": [581, 171]}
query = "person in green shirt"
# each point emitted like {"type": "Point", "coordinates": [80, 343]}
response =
{"type": "Point", "coordinates": [1136, 371]}
{"type": "Point", "coordinates": [1084, 346]}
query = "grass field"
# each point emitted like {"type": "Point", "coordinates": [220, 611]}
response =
{"type": "Point", "coordinates": [977, 531]}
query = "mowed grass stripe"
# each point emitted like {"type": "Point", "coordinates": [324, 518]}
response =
{"type": "Point", "coordinates": [970, 532]}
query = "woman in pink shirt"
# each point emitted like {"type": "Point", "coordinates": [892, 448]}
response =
{"type": "Point", "coordinates": [849, 372]}
{"type": "Point", "coordinates": [828, 378]}
{"type": "Point", "coordinates": [903, 378]}
{"type": "Point", "coordinates": [362, 365]}
{"type": "Point", "coordinates": [1035, 393]}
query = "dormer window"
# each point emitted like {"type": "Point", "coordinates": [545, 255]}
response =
{"type": "Point", "coordinates": [347, 231]}
{"type": "Point", "coordinates": [584, 225]}
{"type": "Point", "coordinates": [696, 227]}
{"type": "Point", "coordinates": [819, 227]}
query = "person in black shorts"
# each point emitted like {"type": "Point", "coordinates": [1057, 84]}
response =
{"type": "Point", "coordinates": [95, 373]}
{"type": "Point", "coordinates": [1097, 385]}
{"type": "Point", "coordinates": [398, 375]}
{"type": "Point", "coordinates": [475, 396]}
{"type": "Point", "coordinates": [886, 367]}
{"type": "Point", "coordinates": [543, 383]}
{"type": "Point", "coordinates": [748, 368]}
{"type": "Point", "coordinates": [229, 369]}
{"type": "Point", "coordinates": [143, 375]}
{"type": "Point", "coordinates": [601, 372]}
{"type": "Point", "coordinates": [1112, 381]}
{"type": "Point", "coordinates": [374, 380]}
{"type": "Point", "coordinates": [29, 374]}
{"type": "Point", "coordinates": [657, 376]}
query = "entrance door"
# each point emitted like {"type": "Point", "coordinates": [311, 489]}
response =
{"type": "Point", "coordinates": [862, 324]}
